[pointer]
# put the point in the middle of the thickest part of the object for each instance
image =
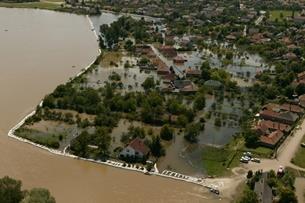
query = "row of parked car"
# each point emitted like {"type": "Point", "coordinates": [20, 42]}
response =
{"type": "Point", "coordinates": [247, 156]}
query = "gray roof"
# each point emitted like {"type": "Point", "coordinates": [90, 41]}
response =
{"type": "Point", "coordinates": [213, 83]}
{"type": "Point", "coordinates": [263, 190]}
{"type": "Point", "coordinates": [289, 116]}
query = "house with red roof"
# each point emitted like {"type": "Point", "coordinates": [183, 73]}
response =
{"type": "Point", "coordinates": [168, 51]}
{"type": "Point", "coordinates": [136, 149]}
{"type": "Point", "coordinates": [264, 127]}
{"type": "Point", "coordinates": [272, 139]}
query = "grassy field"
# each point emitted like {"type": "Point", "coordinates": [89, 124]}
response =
{"type": "Point", "coordinates": [276, 14]}
{"type": "Point", "coordinates": [38, 137]}
{"type": "Point", "coordinates": [299, 158]}
{"type": "Point", "coordinates": [262, 152]}
{"type": "Point", "coordinates": [110, 58]}
{"type": "Point", "coordinates": [38, 5]}
{"type": "Point", "coordinates": [219, 161]}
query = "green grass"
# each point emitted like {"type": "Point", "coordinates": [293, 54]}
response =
{"type": "Point", "coordinates": [295, 172]}
{"type": "Point", "coordinates": [38, 5]}
{"type": "Point", "coordinates": [299, 158]}
{"type": "Point", "coordinates": [38, 137]}
{"type": "Point", "coordinates": [217, 161]}
{"type": "Point", "coordinates": [276, 14]}
{"type": "Point", "coordinates": [262, 152]}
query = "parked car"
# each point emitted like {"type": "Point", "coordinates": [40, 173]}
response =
{"type": "Point", "coordinates": [256, 160]}
{"type": "Point", "coordinates": [246, 158]}
{"type": "Point", "coordinates": [244, 161]}
{"type": "Point", "coordinates": [216, 191]}
{"type": "Point", "coordinates": [248, 154]}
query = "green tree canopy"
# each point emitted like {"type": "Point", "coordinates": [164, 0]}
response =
{"type": "Point", "coordinates": [38, 195]}
{"type": "Point", "coordinates": [10, 190]}
{"type": "Point", "coordinates": [166, 133]}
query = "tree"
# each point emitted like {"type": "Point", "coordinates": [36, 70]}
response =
{"type": "Point", "coordinates": [205, 71]}
{"type": "Point", "coordinates": [192, 132]}
{"type": "Point", "coordinates": [129, 45]}
{"type": "Point", "coordinates": [166, 133]}
{"type": "Point", "coordinates": [79, 145]}
{"type": "Point", "coordinates": [10, 190]}
{"type": "Point", "coordinates": [149, 83]}
{"type": "Point", "coordinates": [152, 107]}
{"type": "Point", "coordinates": [38, 195]}
{"type": "Point", "coordinates": [250, 174]}
{"type": "Point", "coordinates": [156, 147]}
{"type": "Point", "coordinates": [287, 196]}
{"type": "Point", "coordinates": [300, 89]}
{"type": "Point", "coordinates": [217, 122]}
{"type": "Point", "coordinates": [251, 139]}
{"type": "Point", "coordinates": [103, 141]}
{"type": "Point", "coordinates": [288, 180]}
{"type": "Point", "coordinates": [249, 196]}
{"type": "Point", "coordinates": [199, 102]}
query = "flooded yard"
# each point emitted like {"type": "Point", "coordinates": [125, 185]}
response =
{"type": "Point", "coordinates": [130, 77]}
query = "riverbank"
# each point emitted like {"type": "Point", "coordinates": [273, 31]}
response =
{"type": "Point", "coordinates": [33, 5]}
{"type": "Point", "coordinates": [52, 5]}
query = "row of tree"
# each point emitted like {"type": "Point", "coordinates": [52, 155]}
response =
{"type": "Point", "coordinates": [11, 192]}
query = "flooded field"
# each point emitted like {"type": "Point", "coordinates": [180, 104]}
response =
{"type": "Point", "coordinates": [39, 50]}
{"type": "Point", "coordinates": [131, 77]}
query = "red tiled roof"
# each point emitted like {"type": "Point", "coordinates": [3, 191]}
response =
{"type": "Point", "coordinates": [138, 145]}
{"type": "Point", "coordinates": [265, 125]}
{"type": "Point", "coordinates": [179, 59]}
{"type": "Point", "coordinates": [284, 107]}
{"type": "Point", "coordinates": [273, 138]}
{"type": "Point", "coordinates": [191, 71]}
{"type": "Point", "coordinates": [292, 108]}
{"type": "Point", "coordinates": [269, 113]}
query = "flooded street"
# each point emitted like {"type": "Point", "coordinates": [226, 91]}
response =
{"type": "Point", "coordinates": [38, 51]}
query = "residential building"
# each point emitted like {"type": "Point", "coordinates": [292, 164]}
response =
{"type": "Point", "coordinates": [263, 190]}
{"type": "Point", "coordinates": [135, 149]}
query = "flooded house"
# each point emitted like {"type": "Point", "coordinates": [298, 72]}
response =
{"type": "Point", "coordinates": [136, 149]}
{"type": "Point", "coordinates": [192, 72]}
{"type": "Point", "coordinates": [179, 60]}
{"type": "Point", "coordinates": [184, 86]}
{"type": "Point", "coordinates": [168, 51]}
{"type": "Point", "coordinates": [279, 113]}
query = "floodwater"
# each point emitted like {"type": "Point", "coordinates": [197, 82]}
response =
{"type": "Point", "coordinates": [38, 50]}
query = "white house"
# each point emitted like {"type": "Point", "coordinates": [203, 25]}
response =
{"type": "Point", "coordinates": [135, 149]}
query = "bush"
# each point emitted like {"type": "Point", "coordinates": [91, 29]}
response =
{"type": "Point", "coordinates": [166, 133]}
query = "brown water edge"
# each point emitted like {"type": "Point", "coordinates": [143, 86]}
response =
{"type": "Point", "coordinates": [37, 53]}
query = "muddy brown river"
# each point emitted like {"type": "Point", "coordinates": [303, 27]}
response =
{"type": "Point", "coordinates": [39, 50]}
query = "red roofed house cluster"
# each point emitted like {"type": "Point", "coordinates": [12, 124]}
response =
{"type": "Point", "coordinates": [276, 121]}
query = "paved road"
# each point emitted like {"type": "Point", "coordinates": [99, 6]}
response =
{"type": "Point", "coordinates": [300, 189]}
